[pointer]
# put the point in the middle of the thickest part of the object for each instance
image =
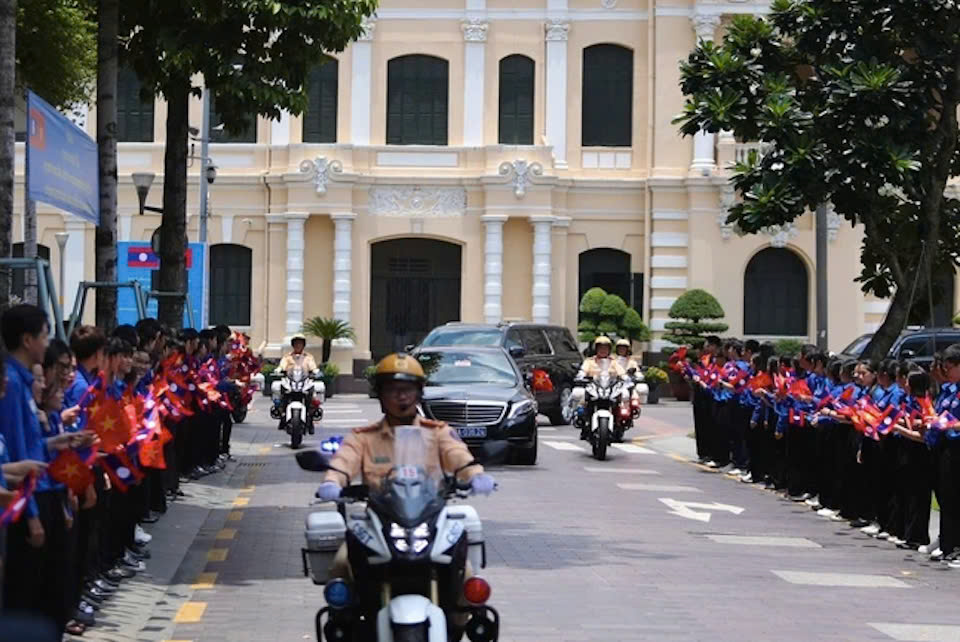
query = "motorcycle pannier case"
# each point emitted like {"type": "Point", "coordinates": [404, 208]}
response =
{"type": "Point", "coordinates": [325, 533]}
{"type": "Point", "coordinates": [476, 550]}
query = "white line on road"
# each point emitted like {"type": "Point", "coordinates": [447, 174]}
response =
{"type": "Point", "coordinates": [685, 509]}
{"type": "Point", "coordinates": [757, 540]}
{"type": "Point", "coordinates": [666, 488]}
{"type": "Point", "coordinates": [856, 580]}
{"type": "Point", "coordinates": [341, 411]}
{"type": "Point", "coordinates": [546, 429]}
{"type": "Point", "coordinates": [561, 445]}
{"type": "Point", "coordinates": [621, 471]}
{"type": "Point", "coordinates": [919, 632]}
{"type": "Point", "coordinates": [634, 449]}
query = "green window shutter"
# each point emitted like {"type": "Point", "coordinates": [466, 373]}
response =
{"type": "Point", "coordinates": [231, 269]}
{"type": "Point", "coordinates": [516, 100]}
{"type": "Point", "coordinates": [320, 119]}
{"type": "Point", "coordinates": [134, 116]}
{"type": "Point", "coordinates": [247, 135]}
{"type": "Point", "coordinates": [607, 98]}
{"type": "Point", "coordinates": [417, 100]}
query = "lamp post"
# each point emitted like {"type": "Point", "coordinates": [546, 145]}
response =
{"type": "Point", "coordinates": [62, 238]}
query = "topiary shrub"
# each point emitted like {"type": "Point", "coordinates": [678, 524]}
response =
{"type": "Point", "coordinates": [590, 306]}
{"type": "Point", "coordinates": [608, 314]}
{"type": "Point", "coordinates": [787, 347]}
{"type": "Point", "coordinates": [632, 326]}
{"type": "Point", "coordinates": [695, 310]}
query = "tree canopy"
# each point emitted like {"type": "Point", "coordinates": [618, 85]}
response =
{"type": "Point", "coordinates": [697, 311]}
{"type": "Point", "coordinates": [857, 102]}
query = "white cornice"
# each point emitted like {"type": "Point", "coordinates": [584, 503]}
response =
{"type": "Point", "coordinates": [575, 15]}
{"type": "Point", "coordinates": [715, 9]}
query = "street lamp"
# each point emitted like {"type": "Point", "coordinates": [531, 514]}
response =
{"type": "Point", "coordinates": [142, 181]}
{"type": "Point", "coordinates": [62, 238]}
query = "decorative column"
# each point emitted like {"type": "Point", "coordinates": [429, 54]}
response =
{"type": "Point", "coordinates": [542, 249]}
{"type": "Point", "coordinates": [280, 129]}
{"type": "Point", "coordinates": [493, 267]}
{"type": "Point", "coordinates": [342, 268]}
{"type": "Point", "coordinates": [475, 37]}
{"type": "Point", "coordinates": [704, 153]}
{"type": "Point", "coordinates": [75, 259]}
{"type": "Point", "coordinates": [296, 222]}
{"type": "Point", "coordinates": [557, 32]}
{"type": "Point", "coordinates": [360, 85]}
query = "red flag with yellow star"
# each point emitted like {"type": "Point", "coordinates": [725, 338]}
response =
{"type": "Point", "coordinates": [69, 469]}
{"type": "Point", "coordinates": [109, 419]}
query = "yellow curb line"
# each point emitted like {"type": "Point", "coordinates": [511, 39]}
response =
{"type": "Point", "coordinates": [217, 554]}
{"type": "Point", "coordinates": [190, 612]}
{"type": "Point", "coordinates": [235, 516]}
{"type": "Point", "coordinates": [204, 581]}
{"type": "Point", "coordinates": [226, 533]}
{"type": "Point", "coordinates": [241, 501]}
{"type": "Point", "coordinates": [248, 489]}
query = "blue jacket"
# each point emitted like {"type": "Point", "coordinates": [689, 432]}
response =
{"type": "Point", "coordinates": [20, 426]}
{"type": "Point", "coordinates": [76, 391]}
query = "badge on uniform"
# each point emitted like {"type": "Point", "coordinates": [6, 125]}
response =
{"type": "Point", "coordinates": [381, 460]}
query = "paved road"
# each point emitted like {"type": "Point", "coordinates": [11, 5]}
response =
{"type": "Point", "coordinates": [644, 546]}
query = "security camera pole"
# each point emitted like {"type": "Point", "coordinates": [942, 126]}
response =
{"type": "Point", "coordinates": [204, 187]}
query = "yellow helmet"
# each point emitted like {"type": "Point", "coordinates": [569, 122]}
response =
{"type": "Point", "coordinates": [399, 367]}
{"type": "Point", "coordinates": [602, 340]}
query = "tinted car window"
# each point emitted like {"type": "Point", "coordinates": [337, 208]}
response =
{"type": "Point", "coordinates": [561, 340]}
{"type": "Point", "coordinates": [463, 337]}
{"type": "Point", "coordinates": [457, 368]}
{"type": "Point", "coordinates": [513, 340]}
{"type": "Point", "coordinates": [857, 347]}
{"type": "Point", "coordinates": [919, 346]}
{"type": "Point", "coordinates": [534, 342]}
{"type": "Point", "coordinates": [944, 341]}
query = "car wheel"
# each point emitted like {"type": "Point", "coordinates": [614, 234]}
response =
{"type": "Point", "coordinates": [527, 456]}
{"type": "Point", "coordinates": [563, 414]}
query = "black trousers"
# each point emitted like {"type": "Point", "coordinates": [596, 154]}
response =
{"type": "Point", "coordinates": [833, 459]}
{"type": "Point", "coordinates": [801, 459]}
{"type": "Point", "coordinates": [758, 449]}
{"type": "Point", "coordinates": [226, 430]}
{"type": "Point", "coordinates": [719, 434]}
{"type": "Point", "coordinates": [702, 420]}
{"type": "Point", "coordinates": [777, 445]}
{"type": "Point", "coordinates": [948, 494]}
{"type": "Point", "coordinates": [171, 476]}
{"type": "Point", "coordinates": [738, 426]}
{"type": "Point", "coordinates": [857, 503]}
{"type": "Point", "coordinates": [914, 484]}
{"type": "Point", "coordinates": [38, 580]}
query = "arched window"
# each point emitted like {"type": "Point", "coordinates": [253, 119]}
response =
{"type": "Point", "coordinates": [607, 119]}
{"type": "Point", "coordinates": [231, 268]}
{"type": "Point", "coordinates": [516, 100]}
{"type": "Point", "coordinates": [134, 115]}
{"type": "Point", "coordinates": [19, 276]}
{"type": "Point", "coordinates": [608, 268]}
{"type": "Point", "coordinates": [320, 118]}
{"type": "Point", "coordinates": [417, 95]}
{"type": "Point", "coordinates": [247, 133]}
{"type": "Point", "coordinates": [775, 294]}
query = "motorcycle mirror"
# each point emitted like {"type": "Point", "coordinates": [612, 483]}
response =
{"type": "Point", "coordinates": [632, 371]}
{"type": "Point", "coordinates": [313, 460]}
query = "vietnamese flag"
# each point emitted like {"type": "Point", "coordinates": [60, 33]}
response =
{"type": "Point", "coordinates": [109, 419]}
{"type": "Point", "coordinates": [69, 469]}
{"type": "Point", "coordinates": [799, 388]}
{"type": "Point", "coordinates": [541, 381]}
{"type": "Point", "coordinates": [760, 381]}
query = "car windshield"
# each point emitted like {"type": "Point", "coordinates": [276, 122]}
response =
{"type": "Point", "coordinates": [456, 368]}
{"type": "Point", "coordinates": [857, 347]}
{"type": "Point", "coordinates": [463, 337]}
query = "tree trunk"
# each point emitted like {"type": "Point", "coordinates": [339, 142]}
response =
{"type": "Point", "coordinates": [173, 230]}
{"type": "Point", "coordinates": [894, 323]}
{"type": "Point", "coordinates": [108, 19]}
{"type": "Point", "coordinates": [325, 350]}
{"type": "Point", "coordinates": [8, 31]}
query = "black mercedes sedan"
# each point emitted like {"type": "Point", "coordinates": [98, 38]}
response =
{"type": "Point", "coordinates": [481, 393]}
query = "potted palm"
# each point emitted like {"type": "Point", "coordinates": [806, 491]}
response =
{"type": "Point", "coordinates": [696, 313]}
{"type": "Point", "coordinates": [328, 330]}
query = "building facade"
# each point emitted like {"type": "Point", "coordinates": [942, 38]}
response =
{"type": "Point", "coordinates": [483, 162]}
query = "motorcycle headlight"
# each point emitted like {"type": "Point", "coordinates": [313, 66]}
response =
{"type": "Point", "coordinates": [404, 538]}
{"type": "Point", "coordinates": [523, 407]}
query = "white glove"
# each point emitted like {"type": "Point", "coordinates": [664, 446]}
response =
{"type": "Point", "coordinates": [328, 491]}
{"type": "Point", "coordinates": [483, 484]}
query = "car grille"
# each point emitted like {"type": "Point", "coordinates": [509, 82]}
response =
{"type": "Point", "coordinates": [467, 413]}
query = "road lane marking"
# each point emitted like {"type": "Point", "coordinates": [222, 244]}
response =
{"type": "Point", "coordinates": [563, 437]}
{"type": "Point", "coordinates": [561, 445]}
{"type": "Point", "coordinates": [204, 581]}
{"type": "Point", "coordinates": [226, 533]}
{"type": "Point", "coordinates": [634, 449]}
{"type": "Point", "coordinates": [241, 501]}
{"type": "Point", "coordinates": [919, 632]}
{"type": "Point", "coordinates": [264, 450]}
{"type": "Point", "coordinates": [759, 540]}
{"type": "Point", "coordinates": [664, 488]}
{"type": "Point", "coordinates": [235, 516]}
{"type": "Point", "coordinates": [546, 429]}
{"type": "Point", "coordinates": [190, 612]}
{"type": "Point", "coordinates": [685, 509]}
{"type": "Point", "coordinates": [855, 580]}
{"type": "Point", "coordinates": [217, 554]}
{"type": "Point", "coordinates": [342, 411]}
{"type": "Point", "coordinates": [248, 489]}
{"type": "Point", "coordinates": [341, 422]}
{"type": "Point", "coordinates": [621, 471]}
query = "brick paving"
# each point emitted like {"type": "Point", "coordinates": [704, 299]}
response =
{"type": "Point", "coordinates": [572, 555]}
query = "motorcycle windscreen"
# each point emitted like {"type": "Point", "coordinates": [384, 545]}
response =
{"type": "Point", "coordinates": [414, 482]}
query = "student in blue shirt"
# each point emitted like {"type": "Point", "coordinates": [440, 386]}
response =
{"type": "Point", "coordinates": [946, 451]}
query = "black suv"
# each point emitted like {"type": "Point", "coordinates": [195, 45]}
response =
{"type": "Point", "coordinates": [550, 348]}
{"type": "Point", "coordinates": [917, 346]}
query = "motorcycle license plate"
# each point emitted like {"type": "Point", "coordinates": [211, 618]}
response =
{"type": "Point", "coordinates": [472, 432]}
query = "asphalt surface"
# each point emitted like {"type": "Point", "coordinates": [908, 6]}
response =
{"type": "Point", "coordinates": [643, 546]}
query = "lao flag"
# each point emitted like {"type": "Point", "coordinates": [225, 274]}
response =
{"type": "Point", "coordinates": [142, 256]}
{"type": "Point", "coordinates": [19, 503]}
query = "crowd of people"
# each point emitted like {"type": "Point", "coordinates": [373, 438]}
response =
{"type": "Point", "coordinates": [96, 437]}
{"type": "Point", "coordinates": [861, 441]}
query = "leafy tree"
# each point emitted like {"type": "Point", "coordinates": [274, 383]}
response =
{"type": "Point", "coordinates": [590, 305]}
{"type": "Point", "coordinates": [328, 330]}
{"type": "Point", "coordinates": [608, 314]}
{"type": "Point", "coordinates": [632, 326]}
{"type": "Point", "coordinates": [858, 103]}
{"type": "Point", "coordinates": [254, 55]}
{"type": "Point", "coordinates": [611, 315]}
{"type": "Point", "coordinates": [697, 308]}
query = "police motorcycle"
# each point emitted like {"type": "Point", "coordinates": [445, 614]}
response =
{"type": "Point", "coordinates": [408, 550]}
{"type": "Point", "coordinates": [603, 398]}
{"type": "Point", "coordinates": [297, 403]}
{"type": "Point", "coordinates": [628, 411]}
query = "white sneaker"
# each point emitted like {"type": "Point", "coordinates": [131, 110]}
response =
{"type": "Point", "coordinates": [734, 472]}
{"type": "Point", "coordinates": [711, 464]}
{"type": "Point", "coordinates": [872, 530]}
{"type": "Point", "coordinates": [747, 478]}
{"type": "Point", "coordinates": [813, 501]}
{"type": "Point", "coordinates": [826, 512]}
{"type": "Point", "coordinates": [926, 549]}
{"type": "Point", "coordinates": [936, 554]}
{"type": "Point", "coordinates": [141, 536]}
{"type": "Point", "coordinates": [954, 563]}
{"type": "Point", "coordinates": [884, 535]}
{"type": "Point", "coordinates": [898, 541]}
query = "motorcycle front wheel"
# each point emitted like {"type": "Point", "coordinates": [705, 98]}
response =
{"type": "Point", "coordinates": [410, 633]}
{"type": "Point", "coordinates": [296, 432]}
{"type": "Point", "coordinates": [602, 439]}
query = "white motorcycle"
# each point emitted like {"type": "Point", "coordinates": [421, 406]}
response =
{"type": "Point", "coordinates": [408, 552]}
{"type": "Point", "coordinates": [297, 403]}
{"type": "Point", "coordinates": [603, 397]}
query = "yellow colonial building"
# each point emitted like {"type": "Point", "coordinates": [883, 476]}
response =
{"type": "Point", "coordinates": [483, 160]}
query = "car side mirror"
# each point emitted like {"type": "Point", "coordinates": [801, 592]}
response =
{"type": "Point", "coordinates": [907, 354]}
{"type": "Point", "coordinates": [409, 347]}
{"type": "Point", "coordinates": [516, 352]}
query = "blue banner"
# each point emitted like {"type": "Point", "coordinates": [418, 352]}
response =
{"type": "Point", "coordinates": [61, 162]}
{"type": "Point", "coordinates": [137, 262]}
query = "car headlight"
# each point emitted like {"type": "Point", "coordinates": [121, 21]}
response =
{"type": "Point", "coordinates": [523, 407]}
